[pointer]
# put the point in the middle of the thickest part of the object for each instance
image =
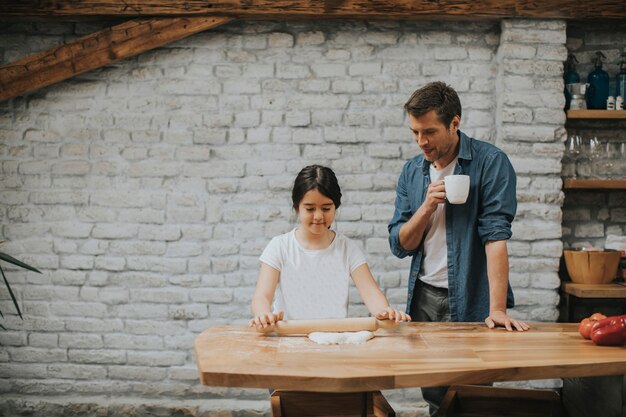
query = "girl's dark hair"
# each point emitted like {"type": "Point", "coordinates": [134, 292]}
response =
{"type": "Point", "coordinates": [316, 177]}
{"type": "Point", "coordinates": [435, 96]}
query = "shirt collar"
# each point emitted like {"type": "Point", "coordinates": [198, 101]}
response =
{"type": "Point", "coordinates": [465, 151]}
{"type": "Point", "coordinates": [465, 146]}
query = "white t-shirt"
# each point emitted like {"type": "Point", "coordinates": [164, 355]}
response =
{"type": "Point", "coordinates": [313, 284]}
{"type": "Point", "coordinates": [435, 264]}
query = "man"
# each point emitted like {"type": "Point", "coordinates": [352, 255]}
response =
{"type": "Point", "coordinates": [459, 269]}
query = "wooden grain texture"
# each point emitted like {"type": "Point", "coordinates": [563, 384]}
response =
{"type": "Point", "coordinates": [305, 327]}
{"type": "Point", "coordinates": [415, 354]}
{"type": "Point", "coordinates": [596, 114]}
{"type": "Point", "coordinates": [327, 404]}
{"type": "Point", "coordinates": [290, 9]}
{"type": "Point", "coordinates": [595, 291]}
{"type": "Point", "coordinates": [595, 184]}
{"type": "Point", "coordinates": [97, 50]}
{"type": "Point", "coordinates": [477, 400]}
{"type": "Point", "coordinates": [592, 267]}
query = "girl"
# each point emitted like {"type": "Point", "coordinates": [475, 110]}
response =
{"type": "Point", "coordinates": [308, 269]}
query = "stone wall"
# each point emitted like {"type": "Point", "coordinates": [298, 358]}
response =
{"type": "Point", "coordinates": [530, 130]}
{"type": "Point", "coordinates": [146, 190]}
{"type": "Point", "coordinates": [589, 216]}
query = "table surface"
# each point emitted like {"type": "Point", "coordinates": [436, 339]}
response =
{"type": "Point", "coordinates": [595, 290]}
{"type": "Point", "coordinates": [411, 355]}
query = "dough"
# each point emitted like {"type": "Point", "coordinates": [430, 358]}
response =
{"type": "Point", "coordinates": [340, 338]}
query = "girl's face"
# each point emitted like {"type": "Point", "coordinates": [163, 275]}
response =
{"type": "Point", "coordinates": [316, 212]}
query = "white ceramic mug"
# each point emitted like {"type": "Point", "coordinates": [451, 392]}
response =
{"type": "Point", "coordinates": [457, 188]}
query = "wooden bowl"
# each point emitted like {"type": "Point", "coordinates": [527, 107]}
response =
{"type": "Point", "coordinates": [592, 267]}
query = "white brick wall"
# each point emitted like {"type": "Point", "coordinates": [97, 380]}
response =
{"type": "Point", "coordinates": [146, 190]}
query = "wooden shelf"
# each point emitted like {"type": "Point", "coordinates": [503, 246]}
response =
{"type": "Point", "coordinates": [595, 291]}
{"type": "Point", "coordinates": [596, 114]}
{"type": "Point", "coordinates": [595, 184]}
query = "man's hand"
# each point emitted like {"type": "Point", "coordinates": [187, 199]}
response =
{"type": "Point", "coordinates": [435, 195]}
{"type": "Point", "coordinates": [500, 318]}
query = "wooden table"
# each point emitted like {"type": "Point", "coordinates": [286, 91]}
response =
{"type": "Point", "coordinates": [412, 355]}
{"type": "Point", "coordinates": [582, 300]}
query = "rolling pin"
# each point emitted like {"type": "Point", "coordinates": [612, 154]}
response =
{"type": "Point", "coordinates": [328, 325]}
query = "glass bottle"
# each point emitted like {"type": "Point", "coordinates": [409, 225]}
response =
{"type": "Point", "coordinates": [620, 80]}
{"type": "Point", "coordinates": [598, 80]}
{"type": "Point", "coordinates": [570, 76]}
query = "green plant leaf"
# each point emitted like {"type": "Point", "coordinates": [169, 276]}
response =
{"type": "Point", "coordinates": [11, 293]}
{"type": "Point", "coordinates": [12, 260]}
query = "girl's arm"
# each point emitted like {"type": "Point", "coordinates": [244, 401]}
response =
{"type": "Point", "coordinates": [373, 298]}
{"type": "Point", "coordinates": [262, 299]}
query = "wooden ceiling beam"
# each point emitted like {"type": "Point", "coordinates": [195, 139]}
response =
{"type": "Point", "coordinates": [97, 50]}
{"type": "Point", "coordinates": [308, 9]}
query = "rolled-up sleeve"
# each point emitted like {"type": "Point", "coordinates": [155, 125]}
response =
{"type": "Point", "coordinates": [402, 214]}
{"type": "Point", "coordinates": [498, 198]}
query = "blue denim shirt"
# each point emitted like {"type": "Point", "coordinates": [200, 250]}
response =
{"type": "Point", "coordinates": [486, 215]}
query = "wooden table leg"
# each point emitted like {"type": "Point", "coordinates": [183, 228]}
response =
{"type": "Point", "coordinates": [364, 396]}
{"type": "Point", "coordinates": [295, 403]}
{"type": "Point", "coordinates": [570, 308]}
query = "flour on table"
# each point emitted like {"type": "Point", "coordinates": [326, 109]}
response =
{"type": "Point", "coordinates": [340, 338]}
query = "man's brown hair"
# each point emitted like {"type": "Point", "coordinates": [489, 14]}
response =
{"type": "Point", "coordinates": [436, 96]}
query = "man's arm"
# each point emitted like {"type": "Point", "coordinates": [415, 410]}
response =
{"type": "Point", "coordinates": [498, 275]}
{"type": "Point", "coordinates": [412, 232]}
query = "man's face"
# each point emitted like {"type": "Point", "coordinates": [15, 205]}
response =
{"type": "Point", "coordinates": [436, 140]}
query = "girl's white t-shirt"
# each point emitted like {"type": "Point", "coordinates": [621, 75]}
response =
{"type": "Point", "coordinates": [313, 284]}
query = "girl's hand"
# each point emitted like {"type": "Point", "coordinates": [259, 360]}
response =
{"type": "Point", "coordinates": [266, 319]}
{"type": "Point", "coordinates": [389, 313]}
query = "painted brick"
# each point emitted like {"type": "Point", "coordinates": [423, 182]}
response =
{"type": "Point", "coordinates": [534, 36]}
{"type": "Point", "coordinates": [450, 53]}
{"type": "Point", "coordinates": [589, 230]}
{"type": "Point", "coordinates": [89, 325]}
{"type": "Point", "coordinates": [525, 297]}
{"type": "Point", "coordinates": [552, 248]}
{"type": "Point", "coordinates": [364, 69]}
{"type": "Point", "coordinates": [37, 355]}
{"type": "Point", "coordinates": [10, 338]}
{"type": "Point", "coordinates": [280, 40]}
{"type": "Point", "coordinates": [311, 38]}
{"type": "Point", "coordinates": [80, 341]}
{"type": "Point", "coordinates": [328, 70]}
{"type": "Point", "coordinates": [43, 340]}
{"type": "Point", "coordinates": [22, 370]}
{"type": "Point", "coordinates": [542, 280]}
{"type": "Point", "coordinates": [33, 135]}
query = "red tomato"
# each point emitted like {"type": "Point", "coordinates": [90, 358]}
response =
{"type": "Point", "coordinates": [584, 328]}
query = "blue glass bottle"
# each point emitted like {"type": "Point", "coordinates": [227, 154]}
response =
{"type": "Point", "coordinates": [620, 80]}
{"type": "Point", "coordinates": [598, 80]}
{"type": "Point", "coordinates": [570, 76]}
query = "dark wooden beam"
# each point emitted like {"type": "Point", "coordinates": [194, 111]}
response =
{"type": "Point", "coordinates": [297, 9]}
{"type": "Point", "coordinates": [97, 50]}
